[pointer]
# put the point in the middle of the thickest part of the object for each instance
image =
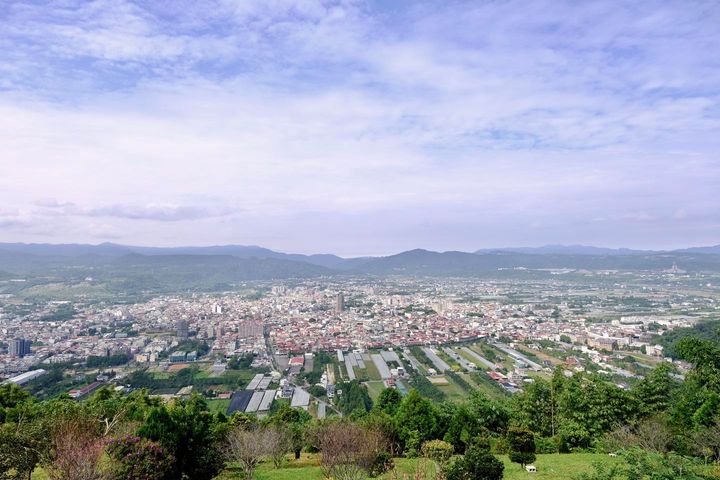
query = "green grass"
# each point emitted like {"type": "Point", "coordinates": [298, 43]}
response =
{"type": "Point", "coordinates": [374, 389]}
{"type": "Point", "coordinates": [550, 467]}
{"type": "Point", "coordinates": [453, 391]}
{"type": "Point", "coordinates": [555, 466]}
{"type": "Point", "coordinates": [218, 405]}
{"type": "Point", "coordinates": [372, 371]}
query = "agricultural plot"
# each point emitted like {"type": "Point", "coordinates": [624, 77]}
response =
{"type": "Point", "coordinates": [440, 364]}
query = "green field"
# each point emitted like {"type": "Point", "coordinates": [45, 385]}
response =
{"type": "Point", "coordinates": [374, 389]}
{"type": "Point", "coordinates": [218, 405]}
{"type": "Point", "coordinates": [549, 467]}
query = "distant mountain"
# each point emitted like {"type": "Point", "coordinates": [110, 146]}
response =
{"type": "Point", "coordinates": [565, 250]}
{"type": "Point", "coordinates": [231, 263]}
{"type": "Point", "coordinates": [427, 263]}
{"type": "Point", "coordinates": [116, 250]}
{"type": "Point", "coordinates": [706, 250]}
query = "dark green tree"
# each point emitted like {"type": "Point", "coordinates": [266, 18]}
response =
{"type": "Point", "coordinates": [416, 419]}
{"type": "Point", "coordinates": [476, 464]}
{"type": "Point", "coordinates": [389, 401]}
{"type": "Point", "coordinates": [522, 446]}
{"type": "Point", "coordinates": [188, 431]}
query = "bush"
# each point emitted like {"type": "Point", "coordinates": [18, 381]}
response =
{"type": "Point", "coordinates": [546, 445]}
{"type": "Point", "coordinates": [383, 463]}
{"type": "Point", "coordinates": [136, 458]}
{"type": "Point", "coordinates": [475, 465]}
{"type": "Point", "coordinates": [500, 446]}
{"type": "Point", "coordinates": [522, 446]}
{"type": "Point", "coordinates": [437, 450]}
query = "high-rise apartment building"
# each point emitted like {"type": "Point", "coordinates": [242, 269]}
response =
{"type": "Point", "coordinates": [20, 347]}
{"type": "Point", "coordinates": [340, 303]}
{"type": "Point", "coordinates": [182, 329]}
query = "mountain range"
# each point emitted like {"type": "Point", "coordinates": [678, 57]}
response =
{"type": "Point", "coordinates": [224, 264]}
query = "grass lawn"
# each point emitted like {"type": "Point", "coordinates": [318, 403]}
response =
{"type": "Point", "coordinates": [218, 405]}
{"type": "Point", "coordinates": [550, 467]}
{"type": "Point", "coordinates": [555, 466]}
{"type": "Point", "coordinates": [453, 391]}
{"type": "Point", "coordinates": [374, 389]}
{"type": "Point", "coordinates": [372, 371]}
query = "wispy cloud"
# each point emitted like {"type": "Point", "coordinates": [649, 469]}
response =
{"type": "Point", "coordinates": [440, 124]}
{"type": "Point", "coordinates": [161, 213]}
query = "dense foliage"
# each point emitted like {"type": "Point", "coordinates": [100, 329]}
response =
{"type": "Point", "coordinates": [664, 424]}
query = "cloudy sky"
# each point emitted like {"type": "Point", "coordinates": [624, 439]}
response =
{"type": "Point", "coordinates": [360, 127]}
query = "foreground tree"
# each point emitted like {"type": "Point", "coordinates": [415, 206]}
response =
{"type": "Point", "coordinates": [77, 449]}
{"type": "Point", "coordinates": [349, 451]}
{"type": "Point", "coordinates": [439, 451]}
{"type": "Point", "coordinates": [278, 442]}
{"type": "Point", "coordinates": [416, 418]}
{"type": "Point", "coordinates": [476, 464]}
{"type": "Point", "coordinates": [522, 446]}
{"type": "Point", "coordinates": [191, 434]}
{"type": "Point", "coordinates": [135, 458]}
{"type": "Point", "coordinates": [247, 447]}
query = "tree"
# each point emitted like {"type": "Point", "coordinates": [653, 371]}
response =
{"type": "Point", "coordinates": [438, 451]}
{"type": "Point", "coordinates": [354, 398]}
{"type": "Point", "coordinates": [389, 401]}
{"type": "Point", "coordinates": [19, 452]}
{"type": "Point", "coordinates": [416, 420]}
{"type": "Point", "coordinates": [349, 451]}
{"type": "Point", "coordinates": [535, 408]}
{"type": "Point", "coordinates": [652, 434]}
{"type": "Point", "coordinates": [655, 392]}
{"type": "Point", "coordinates": [188, 431]}
{"type": "Point", "coordinates": [77, 449]}
{"type": "Point", "coordinates": [279, 442]}
{"type": "Point", "coordinates": [699, 399]}
{"type": "Point", "coordinates": [295, 420]}
{"type": "Point", "coordinates": [706, 442]}
{"type": "Point", "coordinates": [522, 446]}
{"type": "Point", "coordinates": [247, 447]}
{"type": "Point", "coordinates": [135, 458]}
{"type": "Point", "coordinates": [476, 464]}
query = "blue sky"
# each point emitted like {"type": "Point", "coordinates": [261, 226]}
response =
{"type": "Point", "coordinates": [360, 127]}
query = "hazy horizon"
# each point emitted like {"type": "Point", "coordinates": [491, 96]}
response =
{"type": "Point", "coordinates": [361, 127]}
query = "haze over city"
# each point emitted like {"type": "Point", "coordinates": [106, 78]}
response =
{"type": "Point", "coordinates": [360, 127]}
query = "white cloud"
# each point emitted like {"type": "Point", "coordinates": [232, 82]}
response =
{"type": "Point", "coordinates": [469, 117]}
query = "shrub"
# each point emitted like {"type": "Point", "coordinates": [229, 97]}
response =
{"type": "Point", "coordinates": [136, 458]}
{"type": "Point", "coordinates": [475, 465]}
{"type": "Point", "coordinates": [522, 446]}
{"type": "Point", "coordinates": [438, 450]}
{"type": "Point", "coordinates": [546, 445]}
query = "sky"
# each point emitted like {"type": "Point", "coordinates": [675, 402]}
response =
{"type": "Point", "coordinates": [360, 127]}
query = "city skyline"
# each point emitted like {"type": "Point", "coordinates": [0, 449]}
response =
{"type": "Point", "coordinates": [361, 128]}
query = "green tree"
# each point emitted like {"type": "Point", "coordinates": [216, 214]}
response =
{"type": "Point", "coordinates": [437, 450]}
{"type": "Point", "coordinates": [188, 431]}
{"type": "Point", "coordinates": [476, 464]}
{"type": "Point", "coordinates": [535, 408]}
{"type": "Point", "coordinates": [416, 420]}
{"type": "Point", "coordinates": [522, 446]}
{"type": "Point", "coordinates": [389, 401]}
{"type": "Point", "coordinates": [656, 391]}
{"type": "Point", "coordinates": [354, 398]}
